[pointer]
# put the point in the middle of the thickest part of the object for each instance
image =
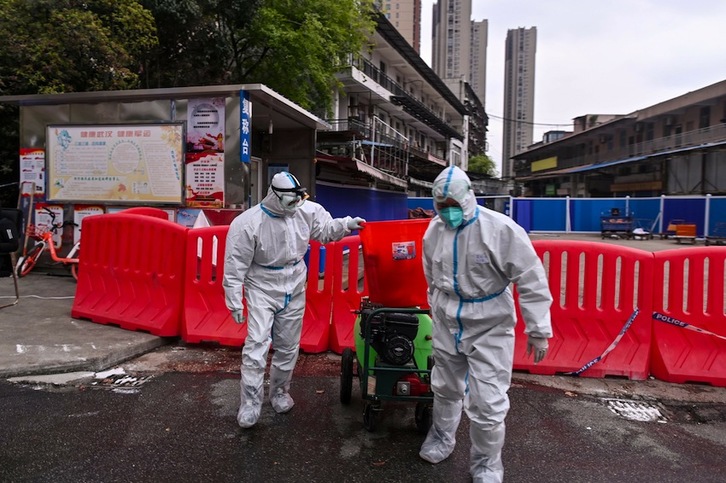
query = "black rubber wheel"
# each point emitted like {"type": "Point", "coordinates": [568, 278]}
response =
{"type": "Point", "coordinates": [424, 417]}
{"type": "Point", "coordinates": [25, 265]}
{"type": "Point", "coordinates": [369, 417]}
{"type": "Point", "coordinates": [346, 375]}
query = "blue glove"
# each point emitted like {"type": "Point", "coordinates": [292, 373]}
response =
{"type": "Point", "coordinates": [238, 317]}
{"type": "Point", "coordinates": [356, 223]}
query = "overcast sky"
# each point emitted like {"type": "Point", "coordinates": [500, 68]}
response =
{"type": "Point", "coordinates": [600, 57]}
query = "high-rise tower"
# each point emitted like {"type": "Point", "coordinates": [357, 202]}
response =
{"type": "Point", "coordinates": [459, 45]}
{"type": "Point", "coordinates": [405, 15]}
{"type": "Point", "coordinates": [520, 50]}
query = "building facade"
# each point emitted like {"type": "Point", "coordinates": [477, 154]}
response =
{"type": "Point", "coordinates": [676, 147]}
{"type": "Point", "coordinates": [519, 70]}
{"type": "Point", "coordinates": [396, 124]}
{"type": "Point", "coordinates": [405, 15]}
{"type": "Point", "coordinates": [478, 62]}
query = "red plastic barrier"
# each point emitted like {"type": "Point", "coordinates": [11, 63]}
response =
{"type": "Point", "coordinates": [596, 287]}
{"type": "Point", "coordinates": [392, 251]}
{"type": "Point", "coordinates": [206, 317]}
{"type": "Point", "coordinates": [347, 291]}
{"type": "Point", "coordinates": [318, 297]}
{"type": "Point", "coordinates": [682, 278]}
{"type": "Point", "coordinates": [131, 273]}
{"type": "Point", "coordinates": [147, 211]}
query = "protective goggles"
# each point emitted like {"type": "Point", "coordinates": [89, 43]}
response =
{"type": "Point", "coordinates": [291, 197]}
{"type": "Point", "coordinates": [456, 190]}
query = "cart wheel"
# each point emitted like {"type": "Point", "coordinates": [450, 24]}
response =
{"type": "Point", "coordinates": [369, 417]}
{"type": "Point", "coordinates": [424, 417]}
{"type": "Point", "coordinates": [346, 375]}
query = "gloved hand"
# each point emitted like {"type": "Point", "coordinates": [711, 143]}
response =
{"type": "Point", "coordinates": [238, 316]}
{"type": "Point", "coordinates": [356, 223]}
{"type": "Point", "coordinates": [537, 346]}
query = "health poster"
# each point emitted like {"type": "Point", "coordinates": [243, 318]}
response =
{"type": "Point", "coordinates": [205, 153]}
{"type": "Point", "coordinates": [116, 163]}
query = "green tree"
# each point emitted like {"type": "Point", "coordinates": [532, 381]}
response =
{"type": "Point", "coordinates": [293, 46]}
{"type": "Point", "coordinates": [52, 46]}
{"type": "Point", "coordinates": [483, 164]}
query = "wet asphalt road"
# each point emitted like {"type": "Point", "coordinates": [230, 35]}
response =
{"type": "Point", "coordinates": [180, 426]}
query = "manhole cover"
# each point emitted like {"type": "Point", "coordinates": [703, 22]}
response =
{"type": "Point", "coordinates": [637, 410]}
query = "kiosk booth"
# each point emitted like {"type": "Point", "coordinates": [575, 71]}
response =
{"type": "Point", "coordinates": [183, 150]}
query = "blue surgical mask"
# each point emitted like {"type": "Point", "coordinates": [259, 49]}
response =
{"type": "Point", "coordinates": [452, 216]}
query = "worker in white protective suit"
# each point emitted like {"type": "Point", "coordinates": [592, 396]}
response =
{"type": "Point", "coordinates": [471, 255]}
{"type": "Point", "coordinates": [264, 254]}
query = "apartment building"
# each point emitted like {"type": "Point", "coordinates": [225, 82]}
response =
{"type": "Point", "coordinates": [396, 124]}
{"type": "Point", "coordinates": [459, 45]}
{"type": "Point", "coordinates": [405, 15]}
{"type": "Point", "coordinates": [519, 68]}
{"type": "Point", "coordinates": [676, 147]}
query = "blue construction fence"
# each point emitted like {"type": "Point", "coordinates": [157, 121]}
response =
{"type": "Point", "coordinates": [548, 215]}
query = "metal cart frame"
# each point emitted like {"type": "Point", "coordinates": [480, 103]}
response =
{"type": "Point", "coordinates": [378, 380]}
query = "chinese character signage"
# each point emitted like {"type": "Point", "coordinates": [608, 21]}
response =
{"type": "Point", "coordinates": [245, 127]}
{"type": "Point", "coordinates": [205, 153]}
{"type": "Point", "coordinates": [116, 163]}
{"type": "Point", "coordinates": [32, 170]}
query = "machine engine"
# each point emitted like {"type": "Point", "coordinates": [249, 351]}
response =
{"type": "Point", "coordinates": [391, 334]}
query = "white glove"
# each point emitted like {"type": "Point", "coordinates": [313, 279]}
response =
{"type": "Point", "coordinates": [355, 223]}
{"type": "Point", "coordinates": [537, 346]}
{"type": "Point", "coordinates": [238, 317]}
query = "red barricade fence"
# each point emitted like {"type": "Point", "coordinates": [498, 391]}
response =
{"type": "Point", "coordinates": [147, 211]}
{"type": "Point", "coordinates": [348, 290]}
{"type": "Point", "coordinates": [318, 300]}
{"type": "Point", "coordinates": [141, 272]}
{"type": "Point", "coordinates": [596, 288]}
{"type": "Point", "coordinates": [206, 317]}
{"type": "Point", "coordinates": [131, 273]}
{"type": "Point", "coordinates": [689, 294]}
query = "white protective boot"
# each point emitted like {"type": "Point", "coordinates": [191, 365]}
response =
{"type": "Point", "coordinates": [251, 387]}
{"type": "Point", "coordinates": [441, 438]}
{"type": "Point", "coordinates": [280, 397]}
{"type": "Point", "coordinates": [486, 453]}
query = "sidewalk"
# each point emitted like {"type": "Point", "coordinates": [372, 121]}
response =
{"type": "Point", "coordinates": [38, 337]}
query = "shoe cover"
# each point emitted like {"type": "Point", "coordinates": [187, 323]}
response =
{"type": "Point", "coordinates": [486, 453]}
{"type": "Point", "coordinates": [441, 438]}
{"type": "Point", "coordinates": [281, 401]}
{"type": "Point", "coordinates": [248, 414]}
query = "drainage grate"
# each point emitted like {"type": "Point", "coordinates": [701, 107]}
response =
{"type": "Point", "coordinates": [646, 411]}
{"type": "Point", "coordinates": [122, 383]}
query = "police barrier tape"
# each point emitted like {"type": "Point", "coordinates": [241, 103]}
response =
{"type": "Point", "coordinates": [679, 323]}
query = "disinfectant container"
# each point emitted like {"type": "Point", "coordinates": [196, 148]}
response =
{"type": "Point", "coordinates": [392, 258]}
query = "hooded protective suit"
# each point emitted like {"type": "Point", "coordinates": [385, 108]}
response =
{"type": "Point", "coordinates": [264, 254]}
{"type": "Point", "coordinates": [469, 269]}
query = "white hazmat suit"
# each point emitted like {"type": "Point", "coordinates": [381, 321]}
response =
{"type": "Point", "coordinates": [264, 254]}
{"type": "Point", "coordinates": [470, 260]}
